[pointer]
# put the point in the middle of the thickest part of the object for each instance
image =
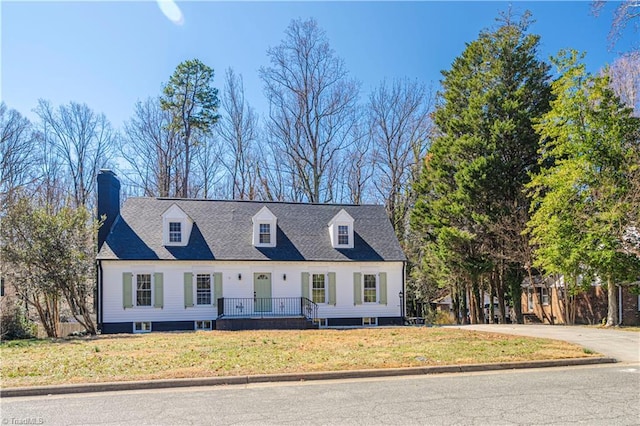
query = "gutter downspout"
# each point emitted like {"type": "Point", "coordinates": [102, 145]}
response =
{"type": "Point", "coordinates": [619, 305]}
{"type": "Point", "coordinates": [403, 302]}
{"type": "Point", "coordinates": [99, 273]}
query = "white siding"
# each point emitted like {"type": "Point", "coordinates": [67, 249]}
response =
{"type": "Point", "coordinates": [173, 277]}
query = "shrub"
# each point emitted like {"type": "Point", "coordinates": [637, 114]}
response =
{"type": "Point", "coordinates": [444, 318]}
{"type": "Point", "coordinates": [14, 323]}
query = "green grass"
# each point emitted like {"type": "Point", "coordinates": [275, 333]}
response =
{"type": "Point", "coordinates": [219, 353]}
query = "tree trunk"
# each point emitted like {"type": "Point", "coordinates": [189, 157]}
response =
{"type": "Point", "coordinates": [515, 288]}
{"type": "Point", "coordinates": [455, 302]}
{"type": "Point", "coordinates": [612, 305]}
{"type": "Point", "coordinates": [185, 181]}
{"type": "Point", "coordinates": [550, 293]}
{"type": "Point", "coordinates": [476, 311]}
{"type": "Point", "coordinates": [500, 294]}
{"type": "Point", "coordinates": [464, 305]}
{"type": "Point", "coordinates": [48, 313]}
{"type": "Point", "coordinates": [492, 310]}
{"type": "Point", "coordinates": [570, 302]}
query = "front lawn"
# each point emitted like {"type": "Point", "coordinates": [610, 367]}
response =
{"type": "Point", "coordinates": [223, 353]}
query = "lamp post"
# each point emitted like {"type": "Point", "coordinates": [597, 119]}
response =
{"type": "Point", "coordinates": [401, 296]}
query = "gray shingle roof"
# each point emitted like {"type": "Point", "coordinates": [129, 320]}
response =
{"type": "Point", "coordinates": [223, 230]}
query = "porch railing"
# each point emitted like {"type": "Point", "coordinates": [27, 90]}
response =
{"type": "Point", "coordinates": [267, 307]}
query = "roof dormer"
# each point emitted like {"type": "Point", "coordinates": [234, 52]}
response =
{"type": "Point", "coordinates": [341, 230]}
{"type": "Point", "coordinates": [264, 228]}
{"type": "Point", "coordinates": [176, 227]}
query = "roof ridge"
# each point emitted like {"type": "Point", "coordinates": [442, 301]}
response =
{"type": "Point", "coordinates": [255, 201]}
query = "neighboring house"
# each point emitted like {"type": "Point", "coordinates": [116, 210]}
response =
{"type": "Point", "coordinates": [544, 302]}
{"type": "Point", "coordinates": [445, 304]}
{"type": "Point", "coordinates": [185, 264]}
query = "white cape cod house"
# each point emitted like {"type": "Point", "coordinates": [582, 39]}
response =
{"type": "Point", "coordinates": [185, 264]}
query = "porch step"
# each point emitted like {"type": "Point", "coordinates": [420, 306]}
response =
{"type": "Point", "coordinates": [264, 324]}
{"type": "Point", "coordinates": [529, 318]}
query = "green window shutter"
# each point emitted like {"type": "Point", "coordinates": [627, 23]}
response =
{"type": "Point", "coordinates": [158, 287]}
{"type": "Point", "coordinates": [332, 288]}
{"type": "Point", "coordinates": [127, 291]}
{"type": "Point", "coordinates": [305, 284]}
{"type": "Point", "coordinates": [383, 287]}
{"type": "Point", "coordinates": [188, 289]}
{"type": "Point", "coordinates": [217, 287]}
{"type": "Point", "coordinates": [357, 288]}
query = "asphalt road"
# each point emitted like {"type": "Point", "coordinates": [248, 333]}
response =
{"type": "Point", "coordinates": [602, 395]}
{"type": "Point", "coordinates": [619, 344]}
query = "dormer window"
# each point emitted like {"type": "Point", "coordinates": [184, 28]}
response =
{"type": "Point", "coordinates": [341, 230]}
{"type": "Point", "coordinates": [265, 233]}
{"type": "Point", "coordinates": [343, 235]}
{"type": "Point", "coordinates": [176, 227]}
{"type": "Point", "coordinates": [175, 232]}
{"type": "Point", "coordinates": [264, 228]}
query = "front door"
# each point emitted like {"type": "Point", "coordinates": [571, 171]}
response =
{"type": "Point", "coordinates": [530, 299]}
{"type": "Point", "coordinates": [262, 292]}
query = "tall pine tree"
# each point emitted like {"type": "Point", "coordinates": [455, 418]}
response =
{"type": "Point", "coordinates": [471, 207]}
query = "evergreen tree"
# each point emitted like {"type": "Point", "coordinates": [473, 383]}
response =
{"type": "Point", "coordinates": [476, 169]}
{"type": "Point", "coordinates": [193, 103]}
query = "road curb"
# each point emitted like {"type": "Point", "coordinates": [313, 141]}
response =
{"type": "Point", "coordinates": [293, 377]}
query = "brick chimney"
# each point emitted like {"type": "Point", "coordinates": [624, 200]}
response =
{"type": "Point", "coordinates": [108, 202]}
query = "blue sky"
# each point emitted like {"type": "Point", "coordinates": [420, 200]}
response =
{"type": "Point", "coordinates": [111, 54]}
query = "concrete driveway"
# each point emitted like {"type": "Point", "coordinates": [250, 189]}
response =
{"type": "Point", "coordinates": [621, 345]}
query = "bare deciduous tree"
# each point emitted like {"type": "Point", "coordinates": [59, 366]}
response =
{"type": "Point", "coordinates": [207, 178]}
{"type": "Point", "coordinates": [624, 75]}
{"type": "Point", "coordinates": [51, 187]}
{"type": "Point", "coordinates": [626, 12]}
{"type": "Point", "coordinates": [16, 152]}
{"type": "Point", "coordinates": [400, 129]}
{"type": "Point", "coordinates": [358, 167]}
{"type": "Point", "coordinates": [311, 105]}
{"type": "Point", "coordinates": [152, 149]}
{"type": "Point", "coordinates": [82, 139]}
{"type": "Point", "coordinates": [239, 131]}
{"type": "Point", "coordinates": [273, 180]}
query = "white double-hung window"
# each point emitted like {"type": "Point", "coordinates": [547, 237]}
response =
{"type": "Point", "coordinates": [265, 233]}
{"type": "Point", "coordinates": [343, 235]}
{"type": "Point", "coordinates": [143, 290]}
{"type": "Point", "coordinates": [544, 296]}
{"type": "Point", "coordinates": [175, 232]}
{"type": "Point", "coordinates": [370, 288]}
{"type": "Point", "coordinates": [203, 289]}
{"type": "Point", "coordinates": [318, 288]}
